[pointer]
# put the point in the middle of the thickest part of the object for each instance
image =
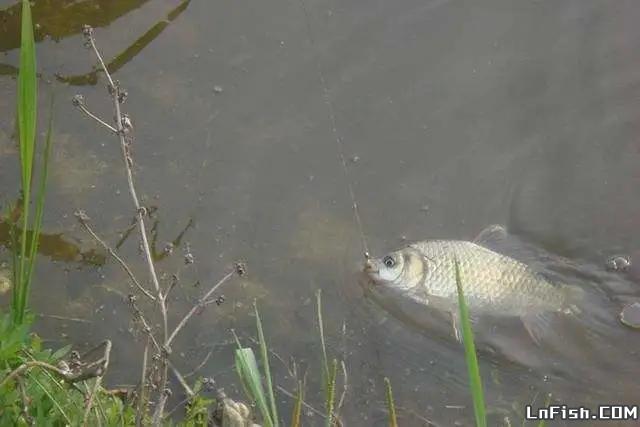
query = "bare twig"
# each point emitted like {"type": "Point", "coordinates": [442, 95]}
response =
{"type": "Point", "coordinates": [78, 102]}
{"type": "Point", "coordinates": [92, 394]}
{"type": "Point", "coordinates": [28, 365]}
{"type": "Point", "coordinates": [305, 404]}
{"type": "Point", "coordinates": [123, 128]}
{"type": "Point", "coordinates": [195, 308]}
{"type": "Point", "coordinates": [181, 380]}
{"type": "Point", "coordinates": [25, 401]}
{"type": "Point", "coordinates": [201, 364]}
{"type": "Point", "coordinates": [345, 386]}
{"type": "Point", "coordinates": [83, 219]}
{"type": "Point", "coordinates": [157, 413]}
{"type": "Point", "coordinates": [69, 319]}
{"type": "Point", "coordinates": [142, 405]}
{"type": "Point", "coordinates": [137, 313]}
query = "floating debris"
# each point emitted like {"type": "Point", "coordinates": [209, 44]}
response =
{"type": "Point", "coordinates": [630, 315]}
{"type": "Point", "coordinates": [217, 89]}
{"type": "Point", "coordinates": [618, 263]}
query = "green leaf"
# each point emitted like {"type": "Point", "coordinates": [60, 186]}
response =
{"type": "Point", "coordinates": [247, 368]}
{"type": "Point", "coordinates": [265, 363]}
{"type": "Point", "coordinates": [27, 94]}
{"type": "Point", "coordinates": [393, 421]}
{"type": "Point", "coordinates": [296, 416]}
{"type": "Point", "coordinates": [331, 394]}
{"type": "Point", "coordinates": [475, 382]}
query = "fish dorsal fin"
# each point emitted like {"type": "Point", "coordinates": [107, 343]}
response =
{"type": "Point", "coordinates": [491, 234]}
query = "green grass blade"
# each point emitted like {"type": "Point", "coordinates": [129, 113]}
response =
{"type": "Point", "coordinates": [475, 382]}
{"type": "Point", "coordinates": [249, 374]}
{"type": "Point", "coordinates": [27, 107]}
{"type": "Point", "coordinates": [547, 402]}
{"type": "Point", "coordinates": [265, 364]}
{"type": "Point", "coordinates": [40, 198]}
{"type": "Point", "coordinates": [325, 361]}
{"type": "Point", "coordinates": [331, 394]}
{"type": "Point", "coordinates": [27, 94]}
{"type": "Point", "coordinates": [393, 420]}
{"type": "Point", "coordinates": [55, 402]}
{"type": "Point", "coordinates": [296, 415]}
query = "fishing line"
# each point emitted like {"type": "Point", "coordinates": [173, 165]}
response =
{"type": "Point", "coordinates": [334, 129]}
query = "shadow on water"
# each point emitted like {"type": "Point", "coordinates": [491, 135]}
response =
{"type": "Point", "coordinates": [58, 19]}
{"type": "Point", "coordinates": [57, 248]}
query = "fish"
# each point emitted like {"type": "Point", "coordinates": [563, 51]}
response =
{"type": "Point", "coordinates": [494, 284]}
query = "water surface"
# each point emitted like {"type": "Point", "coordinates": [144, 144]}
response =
{"type": "Point", "coordinates": [522, 113]}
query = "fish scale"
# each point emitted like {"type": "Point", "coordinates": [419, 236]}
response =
{"type": "Point", "coordinates": [488, 278]}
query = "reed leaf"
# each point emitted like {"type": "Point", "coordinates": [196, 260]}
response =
{"type": "Point", "coordinates": [325, 361]}
{"type": "Point", "coordinates": [247, 368]}
{"type": "Point", "coordinates": [265, 364]}
{"type": "Point", "coordinates": [393, 420]}
{"type": "Point", "coordinates": [475, 382]}
{"type": "Point", "coordinates": [331, 394]}
{"type": "Point", "coordinates": [27, 116]}
{"type": "Point", "coordinates": [296, 415]}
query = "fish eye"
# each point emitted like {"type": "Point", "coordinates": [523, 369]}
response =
{"type": "Point", "coordinates": [388, 261]}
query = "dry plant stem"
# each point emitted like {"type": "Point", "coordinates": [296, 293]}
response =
{"type": "Point", "coordinates": [182, 381]}
{"type": "Point", "coordinates": [157, 413]}
{"type": "Point", "coordinates": [140, 211]}
{"type": "Point", "coordinates": [132, 189]}
{"type": "Point", "coordinates": [345, 386]}
{"type": "Point", "coordinates": [142, 394]}
{"type": "Point", "coordinates": [27, 365]}
{"type": "Point", "coordinates": [25, 401]}
{"type": "Point", "coordinates": [164, 349]}
{"type": "Point", "coordinates": [83, 221]}
{"type": "Point", "coordinates": [193, 310]}
{"type": "Point", "coordinates": [69, 319]}
{"type": "Point", "coordinates": [85, 110]}
{"type": "Point", "coordinates": [200, 365]}
{"type": "Point", "coordinates": [305, 404]}
{"type": "Point", "coordinates": [92, 394]}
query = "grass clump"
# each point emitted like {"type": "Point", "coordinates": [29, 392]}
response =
{"type": "Point", "coordinates": [25, 245]}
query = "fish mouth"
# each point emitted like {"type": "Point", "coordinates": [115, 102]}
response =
{"type": "Point", "coordinates": [370, 268]}
{"type": "Point", "coordinates": [371, 274]}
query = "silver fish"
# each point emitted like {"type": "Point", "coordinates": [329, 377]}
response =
{"type": "Point", "coordinates": [493, 284]}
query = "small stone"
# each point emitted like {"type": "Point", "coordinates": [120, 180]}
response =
{"type": "Point", "coordinates": [618, 263]}
{"type": "Point", "coordinates": [630, 315]}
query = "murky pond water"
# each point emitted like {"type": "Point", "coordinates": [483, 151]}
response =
{"type": "Point", "coordinates": [460, 114]}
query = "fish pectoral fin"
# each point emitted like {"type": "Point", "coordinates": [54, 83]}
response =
{"type": "Point", "coordinates": [492, 233]}
{"type": "Point", "coordinates": [537, 325]}
{"type": "Point", "coordinates": [456, 324]}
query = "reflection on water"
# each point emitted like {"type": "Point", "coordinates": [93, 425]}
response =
{"type": "Point", "coordinates": [56, 247]}
{"type": "Point", "coordinates": [57, 19]}
{"type": "Point", "coordinates": [488, 112]}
